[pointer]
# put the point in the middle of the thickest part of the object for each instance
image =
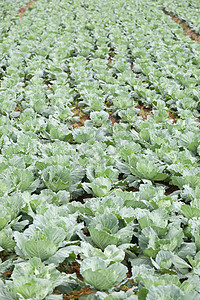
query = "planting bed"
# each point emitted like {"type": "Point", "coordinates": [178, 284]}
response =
{"type": "Point", "coordinates": [100, 146]}
{"type": "Point", "coordinates": [187, 11]}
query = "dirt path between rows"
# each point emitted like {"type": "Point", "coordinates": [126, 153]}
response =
{"type": "Point", "coordinates": [187, 30]}
{"type": "Point", "coordinates": [24, 9]}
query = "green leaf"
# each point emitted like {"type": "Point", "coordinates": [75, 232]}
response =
{"type": "Point", "coordinates": [190, 212]}
{"type": "Point", "coordinates": [101, 186]}
{"type": "Point", "coordinates": [101, 276]}
{"type": "Point", "coordinates": [101, 238]}
{"type": "Point", "coordinates": [42, 249]}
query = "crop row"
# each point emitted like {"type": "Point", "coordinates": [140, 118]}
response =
{"type": "Point", "coordinates": [187, 11]}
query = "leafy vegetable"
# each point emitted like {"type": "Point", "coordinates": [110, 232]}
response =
{"type": "Point", "coordinates": [31, 279]}
{"type": "Point", "coordinates": [100, 274]}
{"type": "Point", "coordinates": [105, 230]}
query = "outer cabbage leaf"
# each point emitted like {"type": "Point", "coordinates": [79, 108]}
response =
{"type": "Point", "coordinates": [121, 295]}
{"type": "Point", "coordinates": [170, 292]}
{"type": "Point", "coordinates": [189, 177]}
{"type": "Point", "coordinates": [111, 252]}
{"type": "Point", "coordinates": [63, 253]}
{"type": "Point", "coordinates": [194, 229]}
{"type": "Point", "coordinates": [10, 207]}
{"type": "Point", "coordinates": [105, 205]}
{"type": "Point", "coordinates": [4, 294]}
{"type": "Point", "coordinates": [60, 177]}
{"type": "Point", "coordinates": [6, 239]}
{"type": "Point", "coordinates": [165, 259]}
{"type": "Point", "coordinates": [38, 243]}
{"type": "Point", "coordinates": [146, 169]}
{"type": "Point", "coordinates": [146, 275]}
{"type": "Point", "coordinates": [151, 243]}
{"type": "Point", "coordinates": [157, 219]}
{"type": "Point", "coordinates": [58, 217]}
{"type": "Point", "coordinates": [100, 275]}
{"type": "Point", "coordinates": [190, 212]}
{"type": "Point", "coordinates": [105, 230]}
{"type": "Point", "coordinates": [101, 186]}
{"type": "Point", "coordinates": [35, 202]}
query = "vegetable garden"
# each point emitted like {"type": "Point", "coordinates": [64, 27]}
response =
{"type": "Point", "coordinates": [100, 146]}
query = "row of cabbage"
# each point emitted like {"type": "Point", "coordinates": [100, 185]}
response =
{"type": "Point", "coordinates": [187, 11]}
{"type": "Point", "coordinates": [165, 70]}
{"type": "Point", "coordinates": [61, 56]}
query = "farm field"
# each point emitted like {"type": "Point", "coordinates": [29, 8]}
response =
{"type": "Point", "coordinates": [100, 150]}
{"type": "Point", "coordinates": [187, 11]}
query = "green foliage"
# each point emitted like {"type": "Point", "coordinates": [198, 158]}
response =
{"type": "Point", "coordinates": [99, 150]}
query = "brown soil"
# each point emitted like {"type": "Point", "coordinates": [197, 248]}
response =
{"type": "Point", "coordinates": [144, 112]}
{"type": "Point", "coordinates": [111, 55]}
{"type": "Point", "coordinates": [24, 9]}
{"type": "Point", "coordinates": [187, 30]}
{"type": "Point", "coordinates": [82, 198]}
{"type": "Point", "coordinates": [83, 117]}
{"type": "Point", "coordinates": [86, 232]}
{"type": "Point", "coordinates": [173, 116]}
{"type": "Point", "coordinates": [77, 294]}
{"type": "Point", "coordinates": [113, 119]}
{"type": "Point", "coordinates": [171, 189]}
{"type": "Point", "coordinates": [129, 273]}
{"type": "Point", "coordinates": [74, 267]}
{"type": "Point", "coordinates": [18, 109]}
{"type": "Point", "coordinates": [132, 189]}
{"type": "Point", "coordinates": [6, 274]}
{"type": "Point", "coordinates": [132, 67]}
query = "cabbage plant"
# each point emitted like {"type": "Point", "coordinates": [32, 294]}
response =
{"type": "Point", "coordinates": [49, 237]}
{"type": "Point", "coordinates": [101, 274]}
{"type": "Point", "coordinates": [105, 230]}
{"type": "Point", "coordinates": [32, 280]}
{"type": "Point", "coordinates": [60, 177]}
{"type": "Point", "coordinates": [146, 169]}
{"type": "Point", "coordinates": [41, 243]}
{"type": "Point", "coordinates": [111, 253]}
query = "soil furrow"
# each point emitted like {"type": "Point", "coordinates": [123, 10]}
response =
{"type": "Point", "coordinates": [24, 9]}
{"type": "Point", "coordinates": [187, 30]}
